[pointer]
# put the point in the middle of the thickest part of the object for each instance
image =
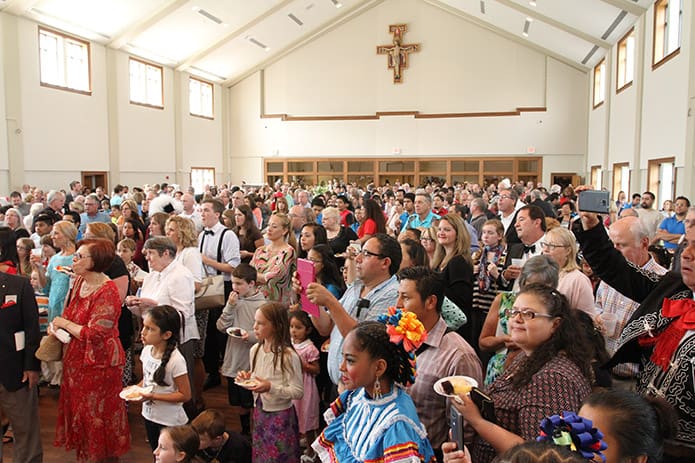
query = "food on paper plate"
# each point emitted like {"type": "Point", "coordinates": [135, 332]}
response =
{"type": "Point", "coordinates": [456, 386]}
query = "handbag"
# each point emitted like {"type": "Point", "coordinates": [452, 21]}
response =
{"type": "Point", "coordinates": [50, 349]}
{"type": "Point", "coordinates": [452, 315]}
{"type": "Point", "coordinates": [211, 292]}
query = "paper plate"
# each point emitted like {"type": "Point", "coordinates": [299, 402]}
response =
{"type": "Point", "coordinates": [438, 385]}
{"type": "Point", "coordinates": [236, 332]}
{"type": "Point", "coordinates": [134, 392]}
{"type": "Point", "coordinates": [247, 383]}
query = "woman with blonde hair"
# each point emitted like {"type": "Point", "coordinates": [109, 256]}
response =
{"type": "Point", "coordinates": [275, 262]}
{"type": "Point", "coordinates": [560, 245]}
{"type": "Point", "coordinates": [428, 240]}
{"type": "Point", "coordinates": [181, 231]}
{"type": "Point", "coordinates": [452, 257]}
{"type": "Point", "coordinates": [56, 283]}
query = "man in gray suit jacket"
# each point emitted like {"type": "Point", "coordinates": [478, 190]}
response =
{"type": "Point", "coordinates": [19, 371]}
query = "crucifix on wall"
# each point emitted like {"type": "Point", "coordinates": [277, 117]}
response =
{"type": "Point", "coordinates": [398, 52]}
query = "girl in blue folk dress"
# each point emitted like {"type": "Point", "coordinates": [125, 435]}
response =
{"type": "Point", "coordinates": [375, 420]}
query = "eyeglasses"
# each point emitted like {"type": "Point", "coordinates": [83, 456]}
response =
{"type": "Point", "coordinates": [552, 246]}
{"type": "Point", "coordinates": [525, 314]}
{"type": "Point", "coordinates": [366, 253]}
{"type": "Point", "coordinates": [505, 197]}
{"type": "Point", "coordinates": [78, 256]}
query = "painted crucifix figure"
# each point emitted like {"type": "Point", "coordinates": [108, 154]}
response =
{"type": "Point", "coordinates": [398, 52]}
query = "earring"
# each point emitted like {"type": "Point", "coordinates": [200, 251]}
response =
{"type": "Point", "coordinates": [377, 389]}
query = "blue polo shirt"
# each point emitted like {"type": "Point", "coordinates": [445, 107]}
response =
{"type": "Point", "coordinates": [415, 222]}
{"type": "Point", "coordinates": [674, 226]}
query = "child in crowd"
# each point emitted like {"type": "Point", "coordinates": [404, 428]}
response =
{"type": "Point", "coordinates": [216, 444]}
{"type": "Point", "coordinates": [47, 249]}
{"type": "Point", "coordinates": [375, 419]}
{"type": "Point", "coordinates": [307, 407]}
{"type": "Point", "coordinates": [238, 313]}
{"type": "Point", "coordinates": [126, 251]}
{"type": "Point", "coordinates": [176, 444]}
{"type": "Point", "coordinates": [163, 368]}
{"type": "Point", "coordinates": [274, 363]}
{"type": "Point", "coordinates": [41, 300]}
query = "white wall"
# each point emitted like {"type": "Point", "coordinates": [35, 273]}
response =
{"type": "Point", "coordinates": [460, 68]}
{"type": "Point", "coordinates": [4, 122]}
{"type": "Point", "coordinates": [64, 133]}
{"type": "Point", "coordinates": [648, 120]}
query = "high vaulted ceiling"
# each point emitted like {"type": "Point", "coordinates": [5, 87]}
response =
{"type": "Point", "coordinates": [226, 40]}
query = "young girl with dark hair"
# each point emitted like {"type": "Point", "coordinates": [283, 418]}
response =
{"type": "Point", "coordinates": [164, 369]}
{"type": "Point", "coordinates": [327, 272]}
{"type": "Point", "coordinates": [375, 418]}
{"type": "Point", "coordinates": [275, 379]}
{"type": "Point", "coordinates": [634, 426]}
{"type": "Point", "coordinates": [307, 407]}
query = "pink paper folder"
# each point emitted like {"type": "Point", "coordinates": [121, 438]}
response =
{"type": "Point", "coordinates": [307, 274]}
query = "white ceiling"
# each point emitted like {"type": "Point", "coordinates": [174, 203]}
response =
{"type": "Point", "coordinates": [225, 40]}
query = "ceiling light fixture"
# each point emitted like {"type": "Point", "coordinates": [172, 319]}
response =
{"type": "Point", "coordinates": [336, 3]}
{"type": "Point", "coordinates": [527, 25]}
{"type": "Point", "coordinates": [532, 2]}
{"type": "Point", "coordinates": [209, 16]}
{"type": "Point", "coordinates": [258, 44]}
{"type": "Point", "coordinates": [482, 6]}
{"type": "Point", "coordinates": [295, 19]}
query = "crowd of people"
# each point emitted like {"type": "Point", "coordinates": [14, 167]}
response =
{"type": "Point", "coordinates": [554, 314]}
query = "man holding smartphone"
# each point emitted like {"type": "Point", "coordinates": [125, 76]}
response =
{"type": "Point", "coordinates": [370, 295]}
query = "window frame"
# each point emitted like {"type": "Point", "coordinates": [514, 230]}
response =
{"type": "Point", "coordinates": [600, 70]}
{"type": "Point", "coordinates": [622, 45]}
{"type": "Point", "coordinates": [659, 31]}
{"type": "Point", "coordinates": [161, 83]}
{"type": "Point", "coordinates": [597, 177]}
{"type": "Point", "coordinates": [63, 36]}
{"type": "Point", "coordinates": [654, 178]}
{"type": "Point", "coordinates": [202, 171]}
{"type": "Point", "coordinates": [617, 179]}
{"type": "Point", "coordinates": [212, 98]}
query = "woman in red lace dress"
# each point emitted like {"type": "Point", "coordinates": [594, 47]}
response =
{"type": "Point", "coordinates": [91, 417]}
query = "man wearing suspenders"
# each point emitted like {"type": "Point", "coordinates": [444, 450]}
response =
{"type": "Point", "coordinates": [219, 248]}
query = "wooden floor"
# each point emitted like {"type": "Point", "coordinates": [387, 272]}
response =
{"type": "Point", "coordinates": [140, 451]}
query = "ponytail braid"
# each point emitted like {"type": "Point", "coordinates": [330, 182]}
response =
{"type": "Point", "coordinates": [166, 318]}
{"type": "Point", "coordinates": [158, 376]}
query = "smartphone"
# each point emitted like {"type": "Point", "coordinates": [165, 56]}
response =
{"type": "Point", "coordinates": [485, 404]}
{"type": "Point", "coordinates": [456, 426]}
{"type": "Point", "coordinates": [307, 274]}
{"type": "Point", "coordinates": [594, 201]}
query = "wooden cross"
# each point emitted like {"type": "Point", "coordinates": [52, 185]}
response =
{"type": "Point", "coordinates": [398, 52]}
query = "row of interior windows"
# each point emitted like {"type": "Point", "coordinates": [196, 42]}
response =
{"type": "Point", "coordinates": [65, 64]}
{"type": "Point", "coordinates": [667, 38]}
